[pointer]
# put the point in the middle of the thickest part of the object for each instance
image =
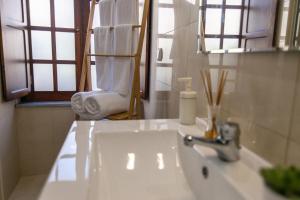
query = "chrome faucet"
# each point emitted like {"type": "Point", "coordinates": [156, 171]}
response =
{"type": "Point", "coordinates": [227, 144]}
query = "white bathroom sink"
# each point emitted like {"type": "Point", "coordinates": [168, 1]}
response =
{"type": "Point", "coordinates": [135, 166]}
{"type": "Point", "coordinates": [134, 160]}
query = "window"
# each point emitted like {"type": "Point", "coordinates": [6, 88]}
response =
{"type": "Point", "coordinates": [165, 38]}
{"type": "Point", "coordinates": [222, 22]}
{"type": "Point", "coordinates": [57, 32]}
{"type": "Point", "coordinates": [297, 31]}
{"type": "Point", "coordinates": [54, 48]}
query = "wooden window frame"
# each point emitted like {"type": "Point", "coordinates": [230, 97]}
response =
{"type": "Point", "coordinates": [297, 29]}
{"type": "Point", "coordinates": [9, 72]}
{"type": "Point", "coordinates": [223, 6]}
{"type": "Point", "coordinates": [78, 33]}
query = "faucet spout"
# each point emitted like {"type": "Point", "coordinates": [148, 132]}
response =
{"type": "Point", "coordinates": [226, 144]}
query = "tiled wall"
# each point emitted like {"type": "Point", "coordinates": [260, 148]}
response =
{"type": "Point", "coordinates": [9, 158]}
{"type": "Point", "coordinates": [30, 139]}
{"type": "Point", "coordinates": [41, 133]}
{"type": "Point", "coordinates": [262, 92]}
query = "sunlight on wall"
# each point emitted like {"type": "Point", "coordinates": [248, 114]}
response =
{"type": "Point", "coordinates": [131, 161]}
{"type": "Point", "coordinates": [160, 161]}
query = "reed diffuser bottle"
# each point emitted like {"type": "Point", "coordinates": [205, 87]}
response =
{"type": "Point", "coordinates": [213, 107]}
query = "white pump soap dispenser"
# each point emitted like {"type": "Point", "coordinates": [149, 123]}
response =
{"type": "Point", "coordinates": [187, 105]}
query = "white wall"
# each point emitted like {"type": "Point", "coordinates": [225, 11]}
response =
{"type": "Point", "coordinates": [9, 156]}
{"type": "Point", "coordinates": [262, 92]}
{"type": "Point", "coordinates": [41, 133]}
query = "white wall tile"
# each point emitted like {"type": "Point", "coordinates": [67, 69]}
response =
{"type": "Point", "coordinates": [293, 155]}
{"type": "Point", "coordinates": [295, 134]}
{"type": "Point", "coordinates": [9, 157]}
{"type": "Point", "coordinates": [41, 132]}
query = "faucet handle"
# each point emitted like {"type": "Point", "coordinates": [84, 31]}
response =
{"type": "Point", "coordinates": [188, 140]}
{"type": "Point", "coordinates": [229, 131]}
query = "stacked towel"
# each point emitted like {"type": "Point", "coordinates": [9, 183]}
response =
{"type": "Point", "coordinates": [114, 74]}
{"type": "Point", "coordinates": [106, 10]}
{"type": "Point", "coordinates": [127, 12]}
{"type": "Point", "coordinates": [103, 45]}
{"type": "Point", "coordinates": [122, 67]}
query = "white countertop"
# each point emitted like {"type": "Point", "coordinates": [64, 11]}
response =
{"type": "Point", "coordinates": [70, 173]}
{"type": "Point", "coordinates": [71, 176]}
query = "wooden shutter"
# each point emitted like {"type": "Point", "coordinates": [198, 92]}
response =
{"type": "Point", "coordinates": [13, 49]}
{"type": "Point", "coordinates": [258, 31]}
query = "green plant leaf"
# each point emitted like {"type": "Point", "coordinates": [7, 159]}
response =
{"type": "Point", "coordinates": [285, 181]}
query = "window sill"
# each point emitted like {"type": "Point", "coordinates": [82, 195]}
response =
{"type": "Point", "coordinates": [44, 104]}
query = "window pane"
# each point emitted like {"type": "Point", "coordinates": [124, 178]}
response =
{"type": "Point", "coordinates": [166, 22]}
{"type": "Point", "coordinates": [92, 47]}
{"type": "Point", "coordinates": [41, 45]}
{"type": "Point", "coordinates": [166, 45]}
{"type": "Point", "coordinates": [66, 77]}
{"type": "Point", "coordinates": [214, 1]}
{"type": "Point", "coordinates": [230, 43]}
{"type": "Point", "coordinates": [284, 22]}
{"type": "Point", "coordinates": [43, 77]}
{"type": "Point", "coordinates": [232, 21]}
{"type": "Point", "coordinates": [39, 12]}
{"type": "Point", "coordinates": [65, 46]}
{"type": "Point", "coordinates": [141, 9]}
{"type": "Point", "coordinates": [298, 30]}
{"type": "Point", "coordinates": [64, 13]}
{"type": "Point", "coordinates": [213, 21]}
{"type": "Point", "coordinates": [234, 2]}
{"type": "Point", "coordinates": [212, 43]}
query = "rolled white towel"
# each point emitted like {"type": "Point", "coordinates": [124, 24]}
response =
{"type": "Point", "coordinates": [78, 98]}
{"type": "Point", "coordinates": [101, 105]}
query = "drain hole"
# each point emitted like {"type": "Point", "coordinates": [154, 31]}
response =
{"type": "Point", "coordinates": [205, 172]}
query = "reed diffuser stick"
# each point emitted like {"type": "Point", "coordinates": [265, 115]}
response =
{"type": "Point", "coordinates": [213, 102]}
{"type": "Point", "coordinates": [208, 79]}
{"type": "Point", "coordinates": [205, 88]}
{"type": "Point", "coordinates": [219, 87]}
{"type": "Point", "coordinates": [207, 84]}
{"type": "Point", "coordinates": [222, 87]}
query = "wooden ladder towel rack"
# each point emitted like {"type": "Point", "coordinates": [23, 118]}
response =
{"type": "Point", "coordinates": [135, 99]}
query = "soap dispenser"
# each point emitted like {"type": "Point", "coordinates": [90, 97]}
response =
{"type": "Point", "coordinates": [187, 104]}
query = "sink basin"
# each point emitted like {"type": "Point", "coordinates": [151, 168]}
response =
{"type": "Point", "coordinates": [146, 159]}
{"type": "Point", "coordinates": [135, 166]}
